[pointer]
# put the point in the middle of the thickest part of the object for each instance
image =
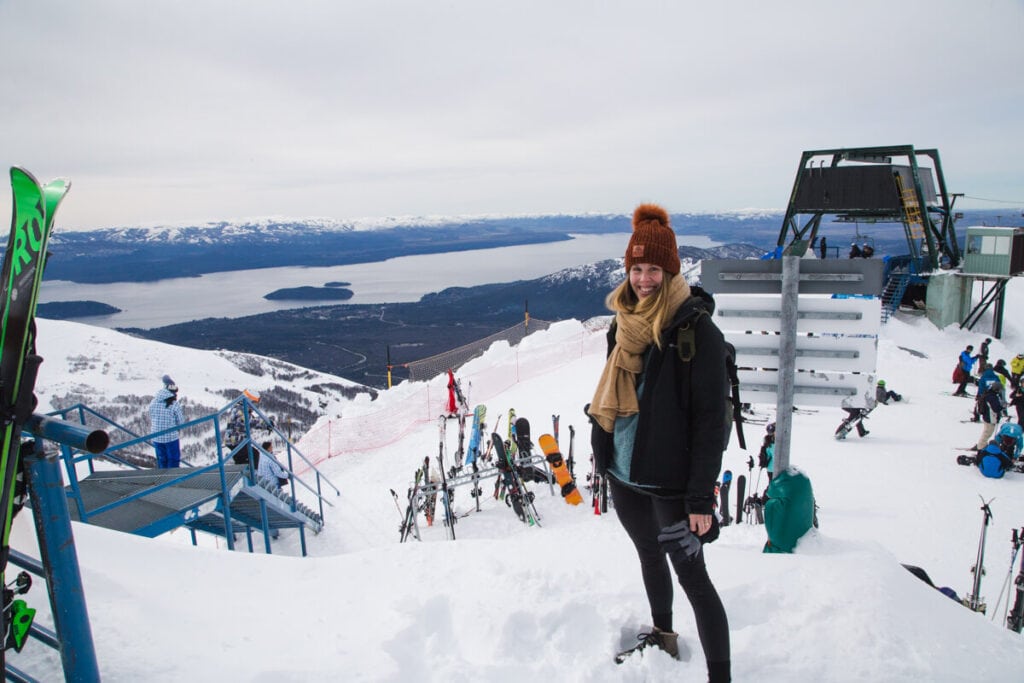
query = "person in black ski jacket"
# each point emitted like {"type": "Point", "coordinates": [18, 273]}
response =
{"type": "Point", "coordinates": [990, 408]}
{"type": "Point", "coordinates": [658, 430]}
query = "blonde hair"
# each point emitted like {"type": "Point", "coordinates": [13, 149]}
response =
{"type": "Point", "coordinates": [654, 309]}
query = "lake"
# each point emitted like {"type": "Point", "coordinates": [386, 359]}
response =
{"type": "Point", "coordinates": [403, 279]}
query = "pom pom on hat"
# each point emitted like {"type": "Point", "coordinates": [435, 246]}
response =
{"type": "Point", "coordinates": [652, 241]}
{"type": "Point", "coordinates": [169, 384]}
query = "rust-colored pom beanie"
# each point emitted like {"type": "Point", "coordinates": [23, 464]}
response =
{"type": "Point", "coordinates": [653, 240]}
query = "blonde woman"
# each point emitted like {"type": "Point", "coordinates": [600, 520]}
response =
{"type": "Point", "coordinates": [658, 432]}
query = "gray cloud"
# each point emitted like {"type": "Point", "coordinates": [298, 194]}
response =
{"type": "Point", "coordinates": [188, 110]}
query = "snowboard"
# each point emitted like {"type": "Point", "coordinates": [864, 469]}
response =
{"type": "Point", "coordinates": [524, 449]}
{"type": "Point", "coordinates": [741, 489]}
{"type": "Point", "coordinates": [724, 495]}
{"type": "Point", "coordinates": [847, 425]}
{"type": "Point", "coordinates": [34, 207]}
{"type": "Point", "coordinates": [516, 495]}
{"type": "Point", "coordinates": [553, 455]}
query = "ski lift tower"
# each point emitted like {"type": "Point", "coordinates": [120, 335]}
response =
{"type": "Point", "coordinates": [875, 185]}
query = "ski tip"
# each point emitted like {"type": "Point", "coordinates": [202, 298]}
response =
{"type": "Point", "coordinates": [20, 175]}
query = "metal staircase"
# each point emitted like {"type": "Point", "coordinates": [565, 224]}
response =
{"type": "Point", "coordinates": [892, 295]}
{"type": "Point", "coordinates": [220, 498]}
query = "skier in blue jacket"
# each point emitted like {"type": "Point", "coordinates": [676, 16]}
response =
{"type": "Point", "coordinates": [962, 374]}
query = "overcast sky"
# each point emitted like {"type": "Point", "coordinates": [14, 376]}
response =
{"type": "Point", "coordinates": [183, 110]}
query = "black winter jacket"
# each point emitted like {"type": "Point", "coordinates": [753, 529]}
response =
{"type": "Point", "coordinates": [681, 431]}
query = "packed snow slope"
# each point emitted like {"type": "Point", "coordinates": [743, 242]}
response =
{"type": "Point", "coordinates": [508, 602]}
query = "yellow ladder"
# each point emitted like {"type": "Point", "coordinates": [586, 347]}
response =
{"type": "Point", "coordinates": [911, 208]}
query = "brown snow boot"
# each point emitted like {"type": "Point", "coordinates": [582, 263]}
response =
{"type": "Point", "coordinates": [666, 641]}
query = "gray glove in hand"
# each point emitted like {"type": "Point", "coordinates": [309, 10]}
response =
{"type": "Point", "coordinates": [678, 538]}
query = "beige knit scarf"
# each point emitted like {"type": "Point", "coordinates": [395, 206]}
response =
{"type": "Point", "coordinates": [616, 390]}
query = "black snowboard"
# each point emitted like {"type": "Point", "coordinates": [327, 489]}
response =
{"type": "Point", "coordinates": [741, 489]}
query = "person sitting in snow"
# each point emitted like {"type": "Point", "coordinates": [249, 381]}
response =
{"type": "Point", "coordinates": [272, 473]}
{"type": "Point", "coordinates": [996, 458]}
{"type": "Point", "coordinates": [883, 395]}
{"type": "Point", "coordinates": [269, 469]}
{"type": "Point", "coordinates": [1015, 433]}
{"type": "Point", "coordinates": [962, 372]}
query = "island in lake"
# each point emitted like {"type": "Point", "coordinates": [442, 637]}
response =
{"type": "Point", "coordinates": [66, 310]}
{"type": "Point", "coordinates": [333, 291]}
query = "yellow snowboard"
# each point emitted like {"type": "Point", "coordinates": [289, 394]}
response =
{"type": "Point", "coordinates": [562, 475]}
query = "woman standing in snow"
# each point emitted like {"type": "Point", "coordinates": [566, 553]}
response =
{"type": "Point", "coordinates": [165, 413]}
{"type": "Point", "coordinates": [658, 432]}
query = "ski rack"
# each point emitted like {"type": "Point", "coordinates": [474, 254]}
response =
{"type": "Point", "coordinates": [462, 479]}
{"type": "Point", "coordinates": [72, 636]}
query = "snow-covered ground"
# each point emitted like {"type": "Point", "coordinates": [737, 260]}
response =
{"type": "Point", "coordinates": [507, 602]}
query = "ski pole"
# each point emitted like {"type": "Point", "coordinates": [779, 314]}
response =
{"type": "Point", "coordinates": [1006, 582]}
{"type": "Point", "coordinates": [973, 601]}
{"type": "Point", "coordinates": [1015, 620]}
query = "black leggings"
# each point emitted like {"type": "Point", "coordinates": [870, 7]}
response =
{"type": "Point", "coordinates": [643, 517]}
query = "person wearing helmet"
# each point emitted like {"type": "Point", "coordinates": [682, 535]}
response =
{"type": "Point", "coordinates": [995, 458]}
{"type": "Point", "coordinates": [883, 394]}
{"type": "Point", "coordinates": [855, 251]}
{"type": "Point", "coordinates": [165, 415]}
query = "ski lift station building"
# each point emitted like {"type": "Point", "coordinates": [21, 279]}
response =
{"type": "Point", "coordinates": [905, 188]}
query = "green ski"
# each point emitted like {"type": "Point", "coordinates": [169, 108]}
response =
{"type": "Point", "coordinates": [34, 207]}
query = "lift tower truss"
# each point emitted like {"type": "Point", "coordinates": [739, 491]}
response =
{"type": "Point", "coordinates": [876, 185]}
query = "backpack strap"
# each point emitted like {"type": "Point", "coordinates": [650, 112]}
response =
{"type": "Point", "coordinates": [686, 347]}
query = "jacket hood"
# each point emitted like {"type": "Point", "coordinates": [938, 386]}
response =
{"type": "Point", "coordinates": [164, 394]}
